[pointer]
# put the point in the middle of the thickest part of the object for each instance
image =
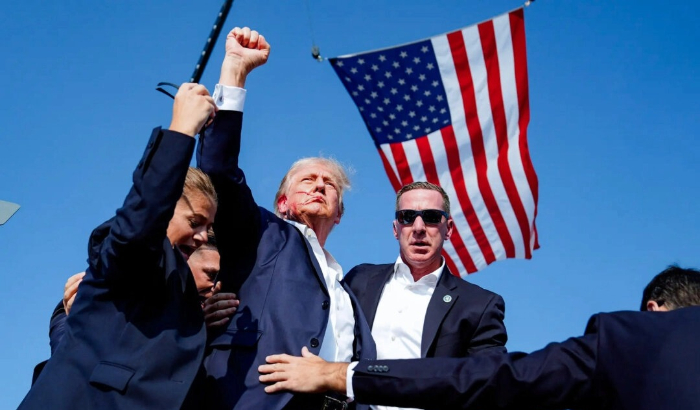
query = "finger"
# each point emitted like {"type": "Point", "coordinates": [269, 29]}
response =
{"type": "Point", "coordinates": [67, 305]}
{"type": "Point", "coordinates": [253, 42]}
{"type": "Point", "coordinates": [200, 89]}
{"type": "Point", "coordinates": [262, 43]}
{"type": "Point", "coordinates": [278, 358]}
{"type": "Point", "coordinates": [269, 369]}
{"type": "Point", "coordinates": [245, 36]}
{"type": "Point", "coordinates": [306, 353]}
{"type": "Point", "coordinates": [220, 308]}
{"type": "Point", "coordinates": [71, 291]}
{"type": "Point", "coordinates": [274, 388]}
{"type": "Point", "coordinates": [235, 32]}
{"type": "Point", "coordinates": [219, 322]}
{"type": "Point", "coordinates": [227, 296]}
{"type": "Point", "coordinates": [75, 278]}
{"type": "Point", "coordinates": [217, 297]}
{"type": "Point", "coordinates": [219, 312]}
{"type": "Point", "coordinates": [272, 376]}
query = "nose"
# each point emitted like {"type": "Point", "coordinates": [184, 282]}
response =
{"type": "Point", "coordinates": [201, 237]}
{"type": "Point", "coordinates": [319, 183]}
{"type": "Point", "coordinates": [418, 224]}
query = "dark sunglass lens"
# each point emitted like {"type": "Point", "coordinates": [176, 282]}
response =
{"type": "Point", "coordinates": [432, 216]}
{"type": "Point", "coordinates": [406, 216]}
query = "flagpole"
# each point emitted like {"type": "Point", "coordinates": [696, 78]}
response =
{"type": "Point", "coordinates": [211, 41]}
{"type": "Point", "coordinates": [208, 48]}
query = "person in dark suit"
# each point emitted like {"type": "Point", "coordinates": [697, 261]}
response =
{"type": "Point", "coordinates": [288, 283]}
{"type": "Point", "coordinates": [135, 337]}
{"type": "Point", "coordinates": [416, 307]}
{"type": "Point", "coordinates": [624, 361]}
{"type": "Point", "coordinates": [204, 264]}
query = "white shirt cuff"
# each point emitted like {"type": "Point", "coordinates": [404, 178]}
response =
{"type": "Point", "coordinates": [348, 381]}
{"type": "Point", "coordinates": [229, 98]}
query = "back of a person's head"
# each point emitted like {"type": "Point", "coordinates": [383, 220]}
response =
{"type": "Point", "coordinates": [673, 288]}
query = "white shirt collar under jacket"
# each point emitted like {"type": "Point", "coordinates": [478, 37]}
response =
{"type": "Point", "coordinates": [340, 331]}
{"type": "Point", "coordinates": [398, 322]}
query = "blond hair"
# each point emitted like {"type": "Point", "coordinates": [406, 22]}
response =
{"type": "Point", "coordinates": [197, 181]}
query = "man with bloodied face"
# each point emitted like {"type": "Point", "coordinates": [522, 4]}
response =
{"type": "Point", "coordinates": [276, 262]}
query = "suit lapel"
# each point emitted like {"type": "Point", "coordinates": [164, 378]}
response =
{"type": "Point", "coordinates": [373, 292]}
{"type": "Point", "coordinates": [444, 297]}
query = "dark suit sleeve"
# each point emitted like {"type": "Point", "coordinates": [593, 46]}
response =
{"type": "Point", "coordinates": [130, 245]}
{"type": "Point", "coordinates": [558, 376]}
{"type": "Point", "coordinates": [57, 326]}
{"type": "Point", "coordinates": [238, 218]}
{"type": "Point", "coordinates": [490, 335]}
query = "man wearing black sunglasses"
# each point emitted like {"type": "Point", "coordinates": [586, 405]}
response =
{"type": "Point", "coordinates": [416, 307]}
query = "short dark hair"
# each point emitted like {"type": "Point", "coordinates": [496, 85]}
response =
{"type": "Point", "coordinates": [425, 185]}
{"type": "Point", "coordinates": [674, 288]}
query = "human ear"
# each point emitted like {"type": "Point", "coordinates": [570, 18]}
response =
{"type": "Point", "coordinates": [282, 205]}
{"type": "Point", "coordinates": [450, 228]}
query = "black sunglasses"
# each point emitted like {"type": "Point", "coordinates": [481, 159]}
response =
{"type": "Point", "coordinates": [429, 216]}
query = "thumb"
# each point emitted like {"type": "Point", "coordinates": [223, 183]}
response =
{"type": "Point", "coordinates": [306, 353]}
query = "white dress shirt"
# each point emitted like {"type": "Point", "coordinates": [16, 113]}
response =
{"type": "Point", "coordinates": [340, 330]}
{"type": "Point", "coordinates": [398, 322]}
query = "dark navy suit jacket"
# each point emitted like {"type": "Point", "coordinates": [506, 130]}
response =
{"type": "Point", "coordinates": [135, 337]}
{"type": "Point", "coordinates": [625, 361]}
{"type": "Point", "coordinates": [284, 302]}
{"type": "Point", "coordinates": [470, 322]}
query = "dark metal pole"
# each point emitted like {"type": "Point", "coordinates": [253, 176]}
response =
{"type": "Point", "coordinates": [211, 41]}
{"type": "Point", "coordinates": [208, 47]}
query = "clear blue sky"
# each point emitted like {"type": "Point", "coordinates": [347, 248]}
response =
{"type": "Point", "coordinates": [613, 137]}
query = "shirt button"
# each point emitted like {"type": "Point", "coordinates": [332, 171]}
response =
{"type": "Point", "coordinates": [393, 338]}
{"type": "Point", "coordinates": [325, 304]}
{"type": "Point", "coordinates": [314, 342]}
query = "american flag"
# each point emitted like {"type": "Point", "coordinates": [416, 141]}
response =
{"type": "Point", "coordinates": [453, 110]}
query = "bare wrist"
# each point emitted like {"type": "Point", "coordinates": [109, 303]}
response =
{"type": "Point", "coordinates": [233, 73]}
{"type": "Point", "coordinates": [174, 126]}
{"type": "Point", "coordinates": [338, 382]}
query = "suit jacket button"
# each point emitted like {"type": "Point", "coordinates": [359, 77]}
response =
{"type": "Point", "coordinates": [385, 368]}
{"type": "Point", "coordinates": [370, 368]}
{"type": "Point", "coordinates": [325, 304]}
{"type": "Point", "coordinates": [314, 342]}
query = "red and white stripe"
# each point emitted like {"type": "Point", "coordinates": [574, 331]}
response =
{"type": "Point", "coordinates": [481, 159]}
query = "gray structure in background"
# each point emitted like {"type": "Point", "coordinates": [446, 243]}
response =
{"type": "Point", "coordinates": [7, 209]}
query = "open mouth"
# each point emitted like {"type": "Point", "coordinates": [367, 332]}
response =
{"type": "Point", "coordinates": [185, 250]}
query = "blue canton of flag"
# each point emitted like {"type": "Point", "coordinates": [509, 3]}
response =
{"type": "Point", "coordinates": [398, 91]}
